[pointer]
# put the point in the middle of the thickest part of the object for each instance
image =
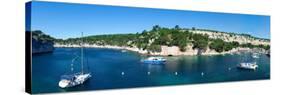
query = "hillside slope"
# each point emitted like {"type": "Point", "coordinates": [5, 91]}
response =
{"type": "Point", "coordinates": [179, 41]}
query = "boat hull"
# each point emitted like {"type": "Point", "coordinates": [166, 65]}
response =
{"type": "Point", "coordinates": [154, 60]}
{"type": "Point", "coordinates": [247, 66]}
{"type": "Point", "coordinates": [79, 79]}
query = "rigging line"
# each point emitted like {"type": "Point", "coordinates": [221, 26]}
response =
{"type": "Point", "coordinates": [74, 59]}
{"type": "Point", "coordinates": [87, 63]}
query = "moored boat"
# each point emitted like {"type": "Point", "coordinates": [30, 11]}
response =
{"type": "Point", "coordinates": [75, 79]}
{"type": "Point", "coordinates": [255, 55]}
{"type": "Point", "coordinates": [250, 66]}
{"type": "Point", "coordinates": [154, 60]}
{"type": "Point", "coordinates": [268, 54]}
{"type": "Point", "coordinates": [123, 50]}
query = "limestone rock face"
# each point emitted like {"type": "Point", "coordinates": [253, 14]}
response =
{"type": "Point", "coordinates": [39, 46]}
{"type": "Point", "coordinates": [42, 43]}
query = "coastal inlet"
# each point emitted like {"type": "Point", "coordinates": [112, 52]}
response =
{"type": "Point", "coordinates": [114, 68]}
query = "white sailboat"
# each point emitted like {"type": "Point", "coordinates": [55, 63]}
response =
{"type": "Point", "coordinates": [76, 78]}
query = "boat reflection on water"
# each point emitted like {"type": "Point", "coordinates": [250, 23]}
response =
{"type": "Point", "coordinates": [155, 68]}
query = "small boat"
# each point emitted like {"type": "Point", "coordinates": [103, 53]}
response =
{"type": "Point", "coordinates": [75, 79]}
{"type": "Point", "coordinates": [154, 60]}
{"type": "Point", "coordinates": [255, 55]}
{"type": "Point", "coordinates": [123, 50]}
{"type": "Point", "coordinates": [250, 66]}
{"type": "Point", "coordinates": [268, 54]}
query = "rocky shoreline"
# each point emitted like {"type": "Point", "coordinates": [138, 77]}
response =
{"type": "Point", "coordinates": [39, 46]}
{"type": "Point", "coordinates": [166, 50]}
{"type": "Point", "coordinates": [41, 43]}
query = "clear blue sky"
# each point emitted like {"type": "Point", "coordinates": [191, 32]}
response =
{"type": "Point", "coordinates": [65, 20]}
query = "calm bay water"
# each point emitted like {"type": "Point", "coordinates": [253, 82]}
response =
{"type": "Point", "coordinates": [106, 66]}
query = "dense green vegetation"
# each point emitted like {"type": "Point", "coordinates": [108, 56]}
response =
{"type": "Point", "coordinates": [266, 47]}
{"type": "Point", "coordinates": [220, 46]}
{"type": "Point", "coordinates": [200, 41]}
{"type": "Point", "coordinates": [153, 39]}
{"type": "Point", "coordinates": [39, 35]}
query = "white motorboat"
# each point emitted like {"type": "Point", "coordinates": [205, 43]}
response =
{"type": "Point", "coordinates": [255, 55]}
{"type": "Point", "coordinates": [250, 66]}
{"type": "Point", "coordinates": [155, 60]}
{"type": "Point", "coordinates": [123, 50]}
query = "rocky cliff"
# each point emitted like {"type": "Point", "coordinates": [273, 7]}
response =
{"type": "Point", "coordinates": [41, 43]}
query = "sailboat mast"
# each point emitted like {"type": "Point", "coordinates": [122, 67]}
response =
{"type": "Point", "coordinates": [82, 61]}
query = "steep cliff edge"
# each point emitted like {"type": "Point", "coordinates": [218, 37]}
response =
{"type": "Point", "coordinates": [42, 43]}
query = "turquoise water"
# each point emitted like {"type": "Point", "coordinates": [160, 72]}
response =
{"type": "Point", "coordinates": [106, 66]}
